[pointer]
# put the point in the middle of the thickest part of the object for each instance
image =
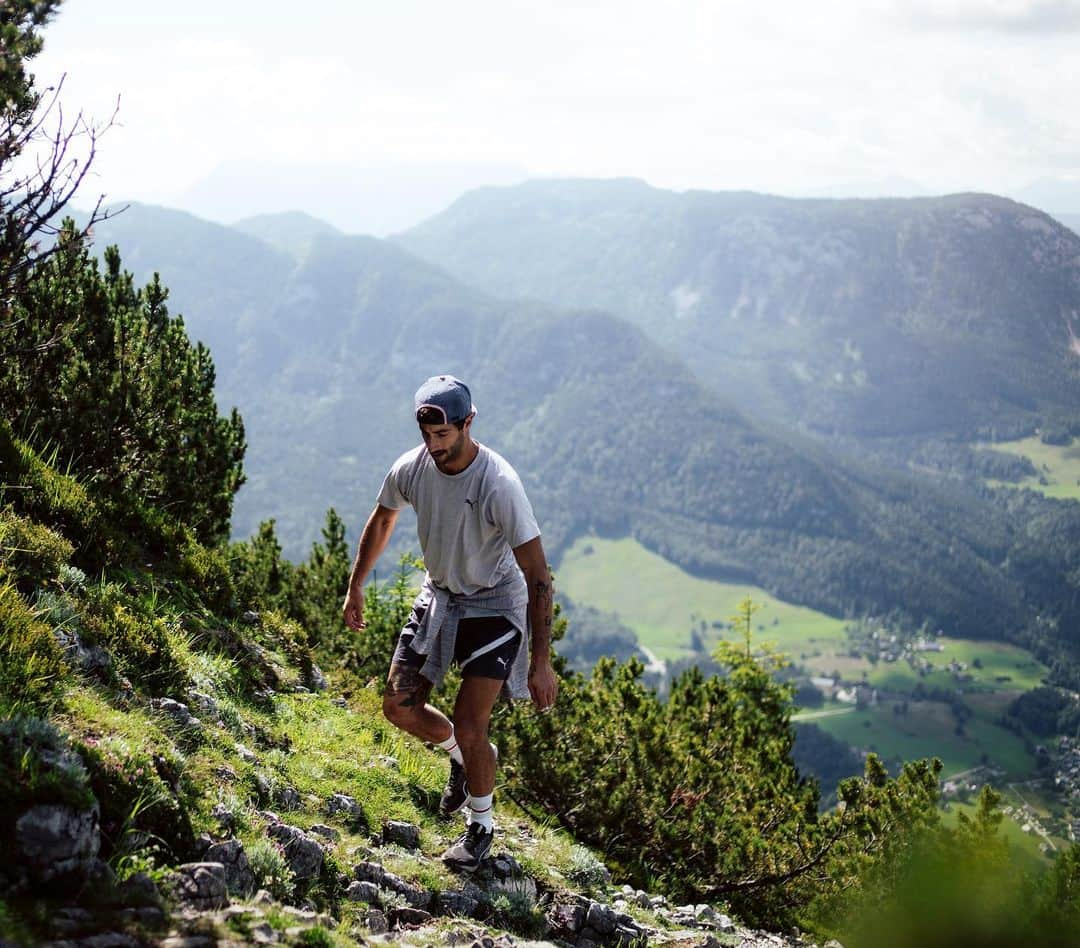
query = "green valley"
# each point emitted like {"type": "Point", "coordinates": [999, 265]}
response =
{"type": "Point", "coordinates": [1058, 466]}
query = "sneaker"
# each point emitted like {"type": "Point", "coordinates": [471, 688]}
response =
{"type": "Point", "coordinates": [456, 793]}
{"type": "Point", "coordinates": [470, 849]}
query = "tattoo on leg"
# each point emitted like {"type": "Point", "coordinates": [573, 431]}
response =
{"type": "Point", "coordinates": [408, 685]}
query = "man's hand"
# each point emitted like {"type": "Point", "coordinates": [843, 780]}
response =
{"type": "Point", "coordinates": [353, 610]}
{"type": "Point", "coordinates": [543, 685]}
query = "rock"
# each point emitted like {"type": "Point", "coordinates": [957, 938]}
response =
{"type": "Point", "coordinates": [327, 832]}
{"type": "Point", "coordinates": [408, 916]}
{"type": "Point", "coordinates": [377, 923]}
{"type": "Point", "coordinates": [339, 702]}
{"type": "Point", "coordinates": [110, 940]}
{"type": "Point", "coordinates": [316, 680]}
{"type": "Point", "coordinates": [457, 903]}
{"type": "Point", "coordinates": [354, 813]}
{"type": "Point", "coordinates": [250, 618]}
{"type": "Point", "coordinates": [201, 885]}
{"type": "Point", "coordinates": [225, 773]}
{"type": "Point", "coordinates": [58, 843]}
{"type": "Point", "coordinates": [239, 879]}
{"type": "Point", "coordinates": [138, 890]}
{"type": "Point", "coordinates": [362, 892]}
{"type": "Point", "coordinates": [303, 853]}
{"type": "Point", "coordinates": [263, 934]}
{"type": "Point", "coordinates": [246, 754]}
{"type": "Point", "coordinates": [832, 943]}
{"type": "Point", "coordinates": [567, 919]}
{"type": "Point", "coordinates": [177, 712]}
{"type": "Point", "coordinates": [204, 703]}
{"type": "Point", "coordinates": [725, 924]}
{"type": "Point", "coordinates": [406, 835]}
{"type": "Point", "coordinates": [70, 920]}
{"type": "Point", "coordinates": [147, 916]}
{"type": "Point", "coordinates": [628, 934]}
{"type": "Point", "coordinates": [288, 798]}
{"type": "Point", "coordinates": [601, 918]}
{"type": "Point", "coordinates": [262, 897]}
{"type": "Point", "coordinates": [189, 941]}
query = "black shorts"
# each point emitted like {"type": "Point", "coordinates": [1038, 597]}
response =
{"type": "Point", "coordinates": [486, 646]}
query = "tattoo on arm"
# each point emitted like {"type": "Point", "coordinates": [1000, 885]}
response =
{"type": "Point", "coordinates": [543, 597]}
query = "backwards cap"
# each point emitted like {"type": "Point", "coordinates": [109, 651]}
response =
{"type": "Point", "coordinates": [448, 396]}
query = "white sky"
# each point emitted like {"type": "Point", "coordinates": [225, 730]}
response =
{"type": "Point", "coordinates": [791, 97]}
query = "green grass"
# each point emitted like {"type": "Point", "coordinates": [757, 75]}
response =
{"type": "Point", "coordinates": [663, 603]}
{"type": "Point", "coordinates": [928, 730]}
{"type": "Point", "coordinates": [1058, 465]}
{"type": "Point", "coordinates": [1024, 847]}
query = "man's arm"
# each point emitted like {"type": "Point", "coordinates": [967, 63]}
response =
{"type": "Point", "coordinates": [373, 540]}
{"type": "Point", "coordinates": [543, 685]}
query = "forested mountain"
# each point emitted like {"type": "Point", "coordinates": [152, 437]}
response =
{"type": "Point", "coordinates": [953, 316]}
{"type": "Point", "coordinates": [291, 231]}
{"type": "Point", "coordinates": [612, 435]}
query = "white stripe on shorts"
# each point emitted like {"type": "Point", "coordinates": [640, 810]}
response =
{"type": "Point", "coordinates": [484, 649]}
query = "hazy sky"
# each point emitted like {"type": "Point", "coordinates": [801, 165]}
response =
{"type": "Point", "coordinates": [790, 97]}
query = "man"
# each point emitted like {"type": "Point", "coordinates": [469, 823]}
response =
{"type": "Point", "coordinates": [486, 601]}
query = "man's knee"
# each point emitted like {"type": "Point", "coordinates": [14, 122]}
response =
{"type": "Point", "coordinates": [470, 733]}
{"type": "Point", "coordinates": [405, 696]}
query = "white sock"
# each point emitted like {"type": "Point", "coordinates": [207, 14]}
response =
{"type": "Point", "coordinates": [451, 745]}
{"type": "Point", "coordinates": [480, 811]}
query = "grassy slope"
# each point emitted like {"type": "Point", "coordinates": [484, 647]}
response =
{"type": "Point", "coordinates": [1059, 466]}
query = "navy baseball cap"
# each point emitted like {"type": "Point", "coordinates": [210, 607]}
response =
{"type": "Point", "coordinates": [448, 396]}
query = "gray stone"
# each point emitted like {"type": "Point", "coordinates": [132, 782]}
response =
{"type": "Point", "coordinates": [201, 885]}
{"type": "Point", "coordinates": [177, 712]}
{"type": "Point", "coordinates": [288, 798]}
{"type": "Point", "coordinates": [264, 934]}
{"type": "Point", "coordinates": [408, 916]}
{"type": "Point", "coordinates": [457, 903]}
{"type": "Point", "coordinates": [832, 943]}
{"type": "Point", "coordinates": [239, 878]}
{"type": "Point", "coordinates": [246, 754]}
{"type": "Point", "coordinates": [189, 941]}
{"type": "Point", "coordinates": [627, 934]}
{"type": "Point", "coordinates": [327, 832]}
{"type": "Point", "coordinates": [376, 874]}
{"type": "Point", "coordinates": [204, 703]}
{"type": "Point", "coordinates": [250, 618]}
{"type": "Point", "coordinates": [377, 923]}
{"type": "Point", "coordinates": [138, 890]}
{"type": "Point", "coordinates": [70, 920]}
{"type": "Point", "coordinates": [110, 940]}
{"type": "Point", "coordinates": [262, 897]}
{"type": "Point", "coordinates": [363, 892]}
{"type": "Point", "coordinates": [303, 852]}
{"type": "Point", "coordinates": [346, 805]}
{"type": "Point", "coordinates": [601, 918]}
{"type": "Point", "coordinates": [406, 835]}
{"type": "Point", "coordinates": [57, 842]}
{"type": "Point", "coordinates": [726, 924]}
{"type": "Point", "coordinates": [316, 680]}
{"type": "Point", "coordinates": [567, 918]}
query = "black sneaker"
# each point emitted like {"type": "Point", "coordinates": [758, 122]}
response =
{"type": "Point", "coordinates": [456, 793]}
{"type": "Point", "coordinates": [470, 849]}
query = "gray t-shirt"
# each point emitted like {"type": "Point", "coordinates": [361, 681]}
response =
{"type": "Point", "coordinates": [468, 523]}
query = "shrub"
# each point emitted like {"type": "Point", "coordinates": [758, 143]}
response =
{"type": "Point", "coordinates": [31, 663]}
{"type": "Point", "coordinates": [270, 868]}
{"type": "Point", "coordinates": [139, 644]}
{"type": "Point", "coordinates": [140, 801]}
{"type": "Point", "coordinates": [38, 766]}
{"type": "Point", "coordinates": [31, 552]}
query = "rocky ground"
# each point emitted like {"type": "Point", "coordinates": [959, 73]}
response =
{"type": "Point", "coordinates": [210, 902]}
